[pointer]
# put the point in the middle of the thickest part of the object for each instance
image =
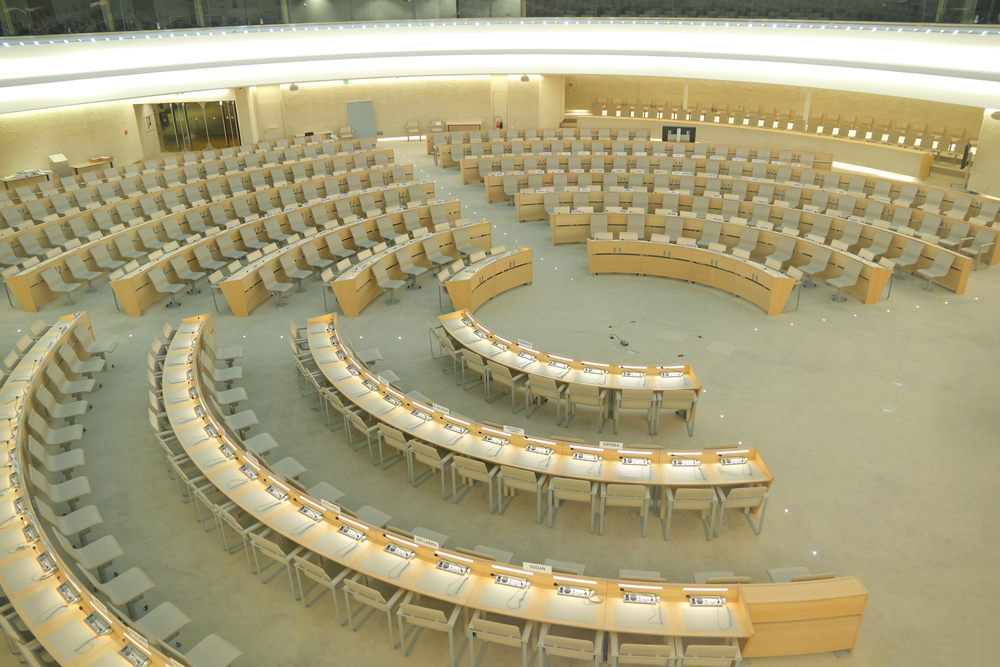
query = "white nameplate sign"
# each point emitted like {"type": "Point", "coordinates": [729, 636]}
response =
{"type": "Point", "coordinates": [612, 445]}
{"type": "Point", "coordinates": [524, 343]}
{"type": "Point", "coordinates": [136, 638]}
{"type": "Point", "coordinates": [441, 409]}
{"type": "Point", "coordinates": [424, 542]}
{"type": "Point", "coordinates": [330, 506]}
{"type": "Point", "coordinates": [513, 430]}
{"type": "Point", "coordinates": [536, 567]}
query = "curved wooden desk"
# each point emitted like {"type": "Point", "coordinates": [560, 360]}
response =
{"type": "Point", "coordinates": [576, 226]}
{"type": "Point", "coordinates": [334, 178]}
{"type": "Point", "coordinates": [356, 287]}
{"type": "Point", "coordinates": [659, 166]}
{"type": "Point", "coordinates": [896, 159]}
{"type": "Point", "coordinates": [135, 290]}
{"type": "Point", "coordinates": [478, 283]}
{"type": "Point", "coordinates": [472, 335]}
{"type": "Point", "coordinates": [219, 163]}
{"type": "Point", "coordinates": [837, 203]}
{"type": "Point", "coordinates": [833, 609]}
{"type": "Point", "coordinates": [58, 624]}
{"type": "Point", "coordinates": [652, 147]}
{"type": "Point", "coordinates": [436, 426]}
{"type": "Point", "coordinates": [31, 291]}
{"type": "Point", "coordinates": [746, 279]}
{"type": "Point", "coordinates": [660, 152]}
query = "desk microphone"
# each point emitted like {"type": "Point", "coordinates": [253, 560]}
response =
{"type": "Point", "coordinates": [620, 340]}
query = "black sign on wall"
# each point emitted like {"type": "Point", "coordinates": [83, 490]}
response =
{"type": "Point", "coordinates": [679, 133]}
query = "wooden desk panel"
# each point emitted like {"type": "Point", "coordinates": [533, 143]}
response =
{"type": "Point", "coordinates": [480, 282]}
{"type": "Point", "coordinates": [494, 181]}
{"type": "Point", "coordinates": [135, 290]}
{"type": "Point", "coordinates": [529, 202]}
{"type": "Point", "coordinates": [761, 286]}
{"type": "Point", "coordinates": [575, 228]}
{"type": "Point", "coordinates": [805, 617]}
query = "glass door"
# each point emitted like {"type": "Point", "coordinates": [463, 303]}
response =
{"type": "Point", "coordinates": [197, 126]}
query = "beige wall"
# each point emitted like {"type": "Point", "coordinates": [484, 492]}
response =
{"type": "Point", "coordinates": [26, 139]}
{"type": "Point", "coordinates": [586, 90]}
{"type": "Point", "coordinates": [79, 133]}
{"type": "Point", "coordinates": [539, 102]}
{"type": "Point", "coordinates": [320, 107]}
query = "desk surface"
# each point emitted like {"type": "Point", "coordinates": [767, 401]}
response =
{"type": "Point", "coordinates": [59, 627]}
{"type": "Point", "coordinates": [520, 357]}
{"type": "Point", "coordinates": [435, 425]}
{"type": "Point", "coordinates": [603, 610]}
{"type": "Point", "coordinates": [419, 573]}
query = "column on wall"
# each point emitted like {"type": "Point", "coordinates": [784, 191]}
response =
{"type": "Point", "coordinates": [246, 115]}
{"type": "Point", "coordinates": [499, 100]}
{"type": "Point", "coordinates": [984, 176]}
{"type": "Point", "coordinates": [270, 113]}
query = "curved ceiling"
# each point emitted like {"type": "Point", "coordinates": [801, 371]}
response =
{"type": "Point", "coordinates": [954, 64]}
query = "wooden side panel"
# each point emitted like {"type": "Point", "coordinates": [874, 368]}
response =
{"type": "Point", "coordinates": [798, 637]}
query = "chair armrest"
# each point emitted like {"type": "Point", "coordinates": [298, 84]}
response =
{"type": "Point", "coordinates": [448, 459]}
{"type": "Point", "coordinates": [529, 627]}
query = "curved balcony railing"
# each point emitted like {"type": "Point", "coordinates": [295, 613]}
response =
{"type": "Point", "coordinates": [63, 17]}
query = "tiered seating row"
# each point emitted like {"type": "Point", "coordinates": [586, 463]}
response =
{"type": "Point", "coordinates": [59, 616]}
{"type": "Point", "coordinates": [209, 160]}
{"type": "Point", "coordinates": [452, 155]}
{"type": "Point", "coordinates": [119, 200]}
{"type": "Point", "coordinates": [32, 283]}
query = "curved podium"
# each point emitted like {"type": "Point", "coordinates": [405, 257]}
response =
{"type": "Point", "coordinates": [480, 282]}
{"type": "Point", "coordinates": [744, 278]}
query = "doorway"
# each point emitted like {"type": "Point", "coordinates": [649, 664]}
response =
{"type": "Point", "coordinates": [197, 126]}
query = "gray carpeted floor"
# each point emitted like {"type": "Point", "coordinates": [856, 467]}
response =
{"type": "Point", "coordinates": [879, 424]}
